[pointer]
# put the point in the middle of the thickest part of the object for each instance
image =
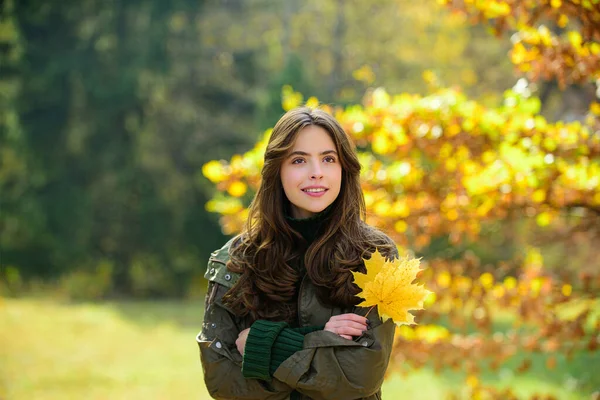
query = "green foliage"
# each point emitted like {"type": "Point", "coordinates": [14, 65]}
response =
{"type": "Point", "coordinates": [87, 173]}
{"type": "Point", "coordinates": [87, 284]}
{"type": "Point", "coordinates": [294, 71]}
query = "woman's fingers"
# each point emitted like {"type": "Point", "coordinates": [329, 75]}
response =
{"type": "Point", "coordinates": [350, 324]}
{"type": "Point", "coordinates": [346, 330]}
{"type": "Point", "coordinates": [353, 320]}
{"type": "Point", "coordinates": [350, 317]}
{"type": "Point", "coordinates": [347, 325]}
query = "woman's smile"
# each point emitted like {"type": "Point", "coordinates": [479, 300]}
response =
{"type": "Point", "coordinates": [315, 191]}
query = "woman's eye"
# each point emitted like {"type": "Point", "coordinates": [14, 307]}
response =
{"type": "Point", "coordinates": [297, 161]}
{"type": "Point", "coordinates": [329, 159]}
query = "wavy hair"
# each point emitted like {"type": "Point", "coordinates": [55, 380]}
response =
{"type": "Point", "coordinates": [263, 253]}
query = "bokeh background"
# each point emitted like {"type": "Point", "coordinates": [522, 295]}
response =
{"type": "Point", "coordinates": [131, 137]}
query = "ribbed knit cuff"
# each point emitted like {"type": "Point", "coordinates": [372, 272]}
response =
{"type": "Point", "coordinates": [289, 341]}
{"type": "Point", "coordinates": [259, 343]}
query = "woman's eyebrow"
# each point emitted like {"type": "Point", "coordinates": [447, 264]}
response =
{"type": "Point", "coordinates": [303, 153]}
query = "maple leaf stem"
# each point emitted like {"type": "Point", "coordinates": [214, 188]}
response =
{"type": "Point", "coordinates": [372, 307]}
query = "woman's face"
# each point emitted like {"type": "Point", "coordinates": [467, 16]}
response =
{"type": "Point", "coordinates": [311, 174]}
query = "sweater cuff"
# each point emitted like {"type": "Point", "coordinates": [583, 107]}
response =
{"type": "Point", "coordinates": [259, 344]}
{"type": "Point", "coordinates": [287, 343]}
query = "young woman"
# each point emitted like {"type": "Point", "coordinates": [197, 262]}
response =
{"type": "Point", "coordinates": [281, 319]}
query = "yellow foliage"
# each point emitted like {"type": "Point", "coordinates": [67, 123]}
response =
{"type": "Point", "coordinates": [237, 189]}
{"type": "Point", "coordinates": [539, 196]}
{"type": "Point", "coordinates": [382, 208]}
{"type": "Point", "coordinates": [544, 219]}
{"type": "Point", "coordinates": [426, 333]}
{"type": "Point", "coordinates": [453, 130]}
{"type": "Point", "coordinates": [498, 291]}
{"type": "Point", "coordinates": [487, 280]}
{"type": "Point", "coordinates": [388, 285]}
{"type": "Point", "coordinates": [364, 74]}
{"type": "Point", "coordinates": [289, 98]}
{"type": "Point", "coordinates": [533, 259]}
{"type": "Point", "coordinates": [213, 170]}
{"type": "Point", "coordinates": [472, 381]}
{"type": "Point", "coordinates": [575, 39]}
{"type": "Point", "coordinates": [574, 308]}
{"type": "Point", "coordinates": [563, 20]}
{"type": "Point", "coordinates": [312, 102]}
{"type": "Point", "coordinates": [452, 215]}
{"type": "Point", "coordinates": [224, 206]}
{"type": "Point", "coordinates": [381, 143]}
{"type": "Point", "coordinates": [401, 208]}
{"type": "Point", "coordinates": [380, 98]}
{"type": "Point", "coordinates": [400, 226]}
{"type": "Point", "coordinates": [510, 283]}
{"type": "Point", "coordinates": [536, 286]}
{"type": "Point", "coordinates": [430, 77]}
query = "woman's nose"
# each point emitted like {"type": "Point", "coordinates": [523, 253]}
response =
{"type": "Point", "coordinates": [316, 172]}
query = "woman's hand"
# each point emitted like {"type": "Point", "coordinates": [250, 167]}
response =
{"type": "Point", "coordinates": [347, 325]}
{"type": "Point", "coordinates": [240, 342]}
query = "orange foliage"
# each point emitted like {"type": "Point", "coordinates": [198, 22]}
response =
{"type": "Point", "coordinates": [555, 39]}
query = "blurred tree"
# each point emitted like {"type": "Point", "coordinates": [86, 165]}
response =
{"type": "Point", "coordinates": [109, 109]}
{"type": "Point", "coordinates": [105, 182]}
{"type": "Point", "coordinates": [271, 109]}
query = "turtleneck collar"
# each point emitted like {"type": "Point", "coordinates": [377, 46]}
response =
{"type": "Point", "coordinates": [309, 227]}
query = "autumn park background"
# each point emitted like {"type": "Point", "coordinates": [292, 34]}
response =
{"type": "Point", "coordinates": [131, 139]}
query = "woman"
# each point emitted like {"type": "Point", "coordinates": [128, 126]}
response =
{"type": "Point", "coordinates": [281, 319]}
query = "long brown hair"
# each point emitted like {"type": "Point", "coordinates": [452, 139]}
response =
{"type": "Point", "coordinates": [263, 252]}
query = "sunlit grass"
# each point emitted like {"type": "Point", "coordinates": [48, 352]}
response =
{"type": "Point", "coordinates": [60, 351]}
{"type": "Point", "coordinates": [147, 350]}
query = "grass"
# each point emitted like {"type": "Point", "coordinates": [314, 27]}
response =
{"type": "Point", "coordinates": [147, 350]}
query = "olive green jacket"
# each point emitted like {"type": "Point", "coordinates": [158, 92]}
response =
{"type": "Point", "coordinates": [328, 367]}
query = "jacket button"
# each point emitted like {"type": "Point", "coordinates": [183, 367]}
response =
{"type": "Point", "coordinates": [212, 271]}
{"type": "Point", "coordinates": [227, 277]}
{"type": "Point", "coordinates": [218, 345]}
{"type": "Point", "coordinates": [365, 343]}
{"type": "Point", "coordinates": [213, 325]}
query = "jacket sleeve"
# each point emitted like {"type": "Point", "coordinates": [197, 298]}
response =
{"type": "Point", "coordinates": [331, 367]}
{"type": "Point", "coordinates": [221, 361]}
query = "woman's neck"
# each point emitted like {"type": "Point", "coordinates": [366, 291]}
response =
{"type": "Point", "coordinates": [309, 228]}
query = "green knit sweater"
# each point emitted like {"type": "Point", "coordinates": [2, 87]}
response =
{"type": "Point", "coordinates": [270, 343]}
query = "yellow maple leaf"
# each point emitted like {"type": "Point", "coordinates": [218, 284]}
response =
{"type": "Point", "coordinates": [389, 286]}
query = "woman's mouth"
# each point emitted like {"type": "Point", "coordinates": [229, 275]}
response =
{"type": "Point", "coordinates": [315, 192]}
